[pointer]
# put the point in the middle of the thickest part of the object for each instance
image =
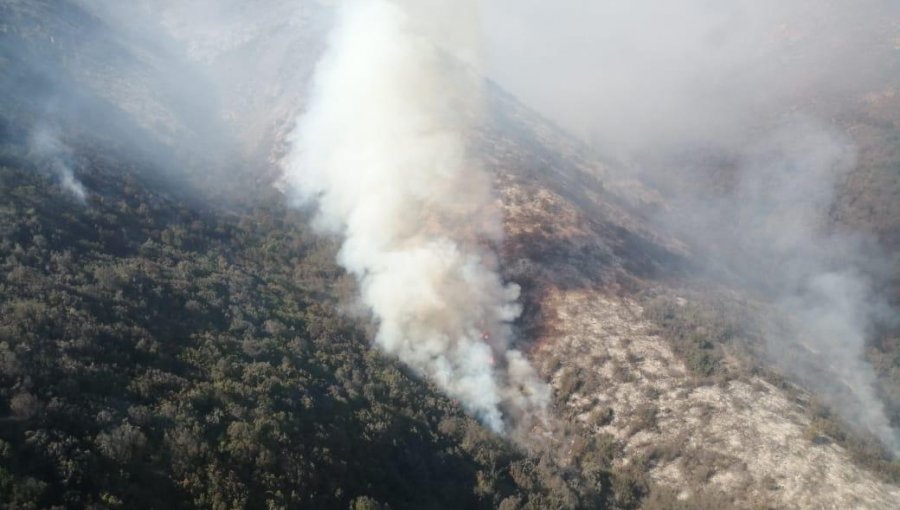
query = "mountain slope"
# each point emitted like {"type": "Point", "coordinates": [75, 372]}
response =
{"type": "Point", "coordinates": [162, 350]}
{"type": "Point", "coordinates": [639, 348]}
{"type": "Point", "coordinates": [159, 354]}
{"type": "Point", "coordinates": [158, 351]}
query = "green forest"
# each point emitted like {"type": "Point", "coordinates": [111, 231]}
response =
{"type": "Point", "coordinates": [159, 352]}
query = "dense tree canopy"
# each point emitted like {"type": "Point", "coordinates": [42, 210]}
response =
{"type": "Point", "coordinates": [158, 353]}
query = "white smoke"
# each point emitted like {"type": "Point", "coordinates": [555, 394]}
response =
{"type": "Point", "coordinates": [734, 110]}
{"type": "Point", "coordinates": [381, 150]}
{"type": "Point", "coordinates": [57, 158]}
{"type": "Point", "coordinates": [814, 274]}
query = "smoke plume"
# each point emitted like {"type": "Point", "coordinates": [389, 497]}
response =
{"type": "Point", "coordinates": [381, 150]}
{"type": "Point", "coordinates": [737, 111]}
{"type": "Point", "coordinates": [769, 232]}
{"type": "Point", "coordinates": [58, 159]}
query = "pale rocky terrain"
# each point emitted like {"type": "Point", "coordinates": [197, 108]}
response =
{"type": "Point", "coordinates": [743, 438]}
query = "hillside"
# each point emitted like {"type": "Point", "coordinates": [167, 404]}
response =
{"type": "Point", "coordinates": [174, 333]}
{"type": "Point", "coordinates": [161, 354]}
{"type": "Point", "coordinates": [640, 346]}
{"type": "Point", "coordinates": [163, 348]}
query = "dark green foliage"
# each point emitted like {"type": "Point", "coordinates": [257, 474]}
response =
{"type": "Point", "coordinates": [159, 354]}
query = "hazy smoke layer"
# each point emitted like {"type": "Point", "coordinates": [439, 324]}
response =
{"type": "Point", "coordinates": [770, 230]}
{"type": "Point", "coordinates": [381, 150]}
{"type": "Point", "coordinates": [729, 107]}
{"type": "Point", "coordinates": [645, 73]}
{"type": "Point", "coordinates": [818, 276]}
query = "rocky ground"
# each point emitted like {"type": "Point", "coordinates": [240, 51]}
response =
{"type": "Point", "coordinates": [743, 439]}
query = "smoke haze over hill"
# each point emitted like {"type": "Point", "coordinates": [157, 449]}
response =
{"type": "Point", "coordinates": [729, 108]}
{"type": "Point", "coordinates": [732, 109]}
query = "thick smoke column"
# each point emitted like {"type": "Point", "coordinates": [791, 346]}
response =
{"type": "Point", "coordinates": [381, 149]}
